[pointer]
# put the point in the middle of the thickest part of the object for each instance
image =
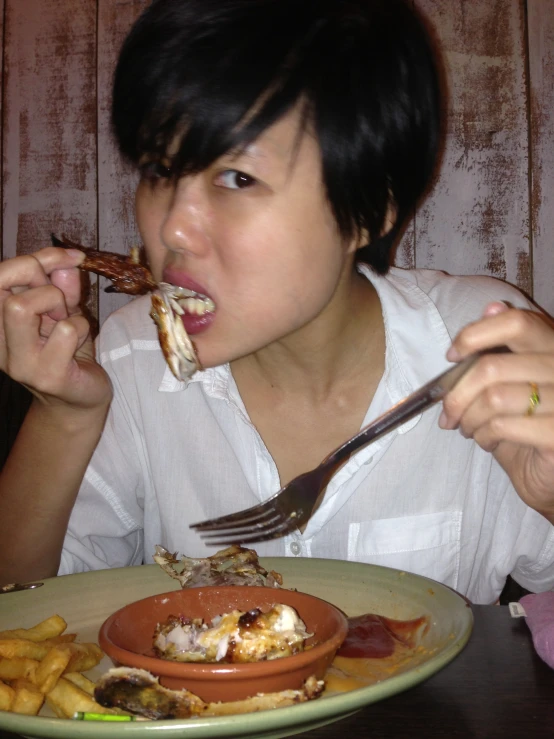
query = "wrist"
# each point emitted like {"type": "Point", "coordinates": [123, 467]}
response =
{"type": "Point", "coordinates": [60, 418]}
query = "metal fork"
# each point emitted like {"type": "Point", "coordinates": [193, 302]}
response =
{"type": "Point", "coordinates": [292, 506]}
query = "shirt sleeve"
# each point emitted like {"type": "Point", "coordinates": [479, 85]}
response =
{"type": "Point", "coordinates": [535, 569]}
{"type": "Point", "coordinates": [106, 525]}
{"type": "Point", "coordinates": [520, 542]}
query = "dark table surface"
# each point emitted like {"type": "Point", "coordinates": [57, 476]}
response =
{"type": "Point", "coordinates": [497, 687]}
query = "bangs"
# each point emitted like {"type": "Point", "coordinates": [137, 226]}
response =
{"type": "Point", "coordinates": [198, 97]}
{"type": "Point", "coordinates": [197, 79]}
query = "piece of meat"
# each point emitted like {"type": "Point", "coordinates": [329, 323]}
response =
{"type": "Point", "coordinates": [139, 692]}
{"type": "Point", "coordinates": [234, 565]}
{"type": "Point", "coordinates": [126, 273]}
{"type": "Point", "coordinates": [234, 637]}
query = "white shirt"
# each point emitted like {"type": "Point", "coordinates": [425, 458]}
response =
{"type": "Point", "coordinates": [420, 499]}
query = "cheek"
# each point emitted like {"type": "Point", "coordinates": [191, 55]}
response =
{"type": "Point", "coordinates": [149, 217]}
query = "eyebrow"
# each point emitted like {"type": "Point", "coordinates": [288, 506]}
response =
{"type": "Point", "coordinates": [250, 151]}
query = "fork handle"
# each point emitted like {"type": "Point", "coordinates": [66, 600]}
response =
{"type": "Point", "coordinates": [411, 406]}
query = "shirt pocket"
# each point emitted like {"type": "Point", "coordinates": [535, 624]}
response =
{"type": "Point", "coordinates": [427, 544]}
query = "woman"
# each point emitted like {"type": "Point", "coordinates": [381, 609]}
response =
{"type": "Point", "coordinates": [281, 147]}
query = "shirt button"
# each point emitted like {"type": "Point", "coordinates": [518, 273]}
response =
{"type": "Point", "coordinates": [295, 548]}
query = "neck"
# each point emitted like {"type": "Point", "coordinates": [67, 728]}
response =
{"type": "Point", "coordinates": [338, 345]}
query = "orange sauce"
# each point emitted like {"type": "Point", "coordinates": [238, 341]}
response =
{"type": "Point", "coordinates": [351, 673]}
{"type": "Point", "coordinates": [375, 649]}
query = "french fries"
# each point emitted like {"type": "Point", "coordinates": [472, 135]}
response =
{"type": "Point", "coordinates": [28, 699]}
{"type": "Point", "coordinates": [81, 681]}
{"type": "Point", "coordinates": [45, 664]}
{"type": "Point", "coordinates": [7, 694]}
{"type": "Point", "coordinates": [52, 668]}
{"type": "Point", "coordinates": [66, 698]}
{"type": "Point", "coordinates": [51, 627]}
{"type": "Point", "coordinates": [12, 669]}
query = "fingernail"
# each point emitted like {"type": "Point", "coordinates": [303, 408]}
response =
{"type": "Point", "coordinates": [493, 309]}
{"type": "Point", "coordinates": [453, 355]}
{"type": "Point", "coordinates": [74, 252]}
{"type": "Point", "coordinates": [443, 420]}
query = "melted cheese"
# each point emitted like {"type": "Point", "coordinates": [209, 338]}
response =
{"type": "Point", "coordinates": [234, 637]}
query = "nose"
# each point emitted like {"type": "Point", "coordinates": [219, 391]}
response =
{"type": "Point", "coordinates": [184, 226]}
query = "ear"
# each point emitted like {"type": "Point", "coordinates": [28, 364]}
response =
{"type": "Point", "coordinates": [390, 216]}
{"type": "Point", "coordinates": [359, 241]}
{"type": "Point", "coordinates": [389, 222]}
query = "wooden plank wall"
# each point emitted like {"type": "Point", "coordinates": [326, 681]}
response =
{"type": "Point", "coordinates": [541, 137]}
{"type": "Point", "coordinates": [491, 210]}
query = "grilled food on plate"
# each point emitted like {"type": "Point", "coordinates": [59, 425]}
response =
{"type": "Point", "coordinates": [252, 636]}
{"type": "Point", "coordinates": [235, 565]}
{"type": "Point", "coordinates": [139, 692]}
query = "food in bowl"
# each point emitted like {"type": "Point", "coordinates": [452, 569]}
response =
{"type": "Point", "coordinates": [234, 565]}
{"type": "Point", "coordinates": [238, 636]}
{"type": "Point", "coordinates": [127, 636]}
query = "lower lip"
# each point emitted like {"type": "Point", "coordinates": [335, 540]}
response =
{"type": "Point", "coordinates": [196, 324]}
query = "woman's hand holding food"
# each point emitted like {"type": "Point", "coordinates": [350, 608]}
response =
{"type": "Point", "coordinates": [45, 340]}
{"type": "Point", "coordinates": [45, 344]}
{"type": "Point", "coordinates": [506, 402]}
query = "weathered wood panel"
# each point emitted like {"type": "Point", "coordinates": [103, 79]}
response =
{"type": "Point", "coordinates": [14, 398]}
{"type": "Point", "coordinates": [541, 84]}
{"type": "Point", "coordinates": [476, 219]}
{"type": "Point", "coordinates": [49, 129]}
{"type": "Point", "coordinates": [116, 183]}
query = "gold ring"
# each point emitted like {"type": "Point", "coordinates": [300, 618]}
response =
{"type": "Point", "coordinates": [534, 398]}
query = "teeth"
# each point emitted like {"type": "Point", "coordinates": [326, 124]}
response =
{"type": "Point", "coordinates": [183, 292]}
{"type": "Point", "coordinates": [197, 306]}
{"type": "Point", "coordinates": [181, 299]}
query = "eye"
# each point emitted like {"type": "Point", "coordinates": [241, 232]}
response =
{"type": "Point", "coordinates": [232, 179]}
{"type": "Point", "coordinates": [155, 171]}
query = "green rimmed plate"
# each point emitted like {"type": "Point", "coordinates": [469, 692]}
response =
{"type": "Point", "coordinates": [86, 600]}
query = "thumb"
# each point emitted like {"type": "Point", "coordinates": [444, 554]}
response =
{"type": "Point", "coordinates": [69, 282]}
{"type": "Point", "coordinates": [493, 309]}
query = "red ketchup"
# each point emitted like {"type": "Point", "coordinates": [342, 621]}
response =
{"type": "Point", "coordinates": [376, 636]}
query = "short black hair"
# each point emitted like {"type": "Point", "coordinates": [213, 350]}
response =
{"type": "Point", "coordinates": [217, 73]}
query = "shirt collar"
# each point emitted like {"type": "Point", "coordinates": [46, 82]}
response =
{"type": "Point", "coordinates": [215, 380]}
{"type": "Point", "coordinates": [416, 336]}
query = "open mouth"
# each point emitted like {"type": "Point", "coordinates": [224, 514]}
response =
{"type": "Point", "coordinates": [170, 306]}
{"type": "Point", "coordinates": [183, 300]}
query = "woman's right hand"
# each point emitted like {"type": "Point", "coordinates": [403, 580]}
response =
{"type": "Point", "coordinates": [45, 340]}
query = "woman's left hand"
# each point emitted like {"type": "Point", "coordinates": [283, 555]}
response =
{"type": "Point", "coordinates": [506, 401]}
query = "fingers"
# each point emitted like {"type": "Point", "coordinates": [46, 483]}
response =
{"type": "Point", "coordinates": [51, 265]}
{"type": "Point", "coordinates": [33, 270]}
{"type": "Point", "coordinates": [57, 356]}
{"type": "Point", "coordinates": [25, 319]}
{"type": "Point", "coordinates": [45, 365]}
{"type": "Point", "coordinates": [526, 432]}
{"type": "Point", "coordinates": [488, 385]}
{"type": "Point", "coordinates": [502, 413]}
{"type": "Point", "coordinates": [69, 282]}
{"type": "Point", "coordinates": [31, 336]}
{"type": "Point", "coordinates": [24, 274]}
{"type": "Point", "coordinates": [520, 330]}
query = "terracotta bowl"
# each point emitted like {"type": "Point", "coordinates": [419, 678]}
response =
{"type": "Point", "coordinates": [127, 636]}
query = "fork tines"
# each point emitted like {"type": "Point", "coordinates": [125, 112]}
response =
{"type": "Point", "coordinates": [259, 523]}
